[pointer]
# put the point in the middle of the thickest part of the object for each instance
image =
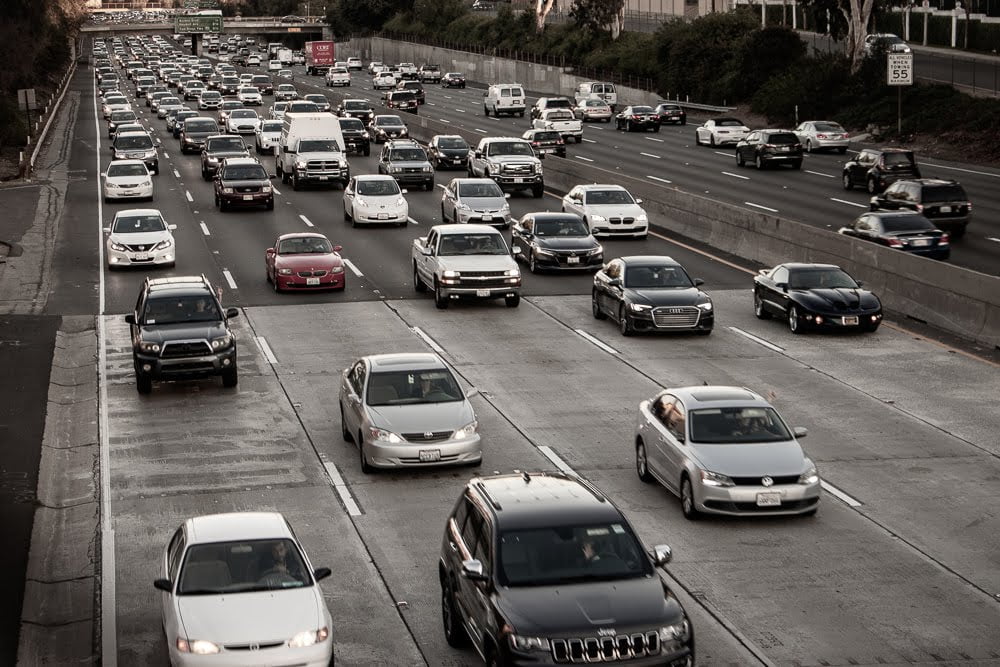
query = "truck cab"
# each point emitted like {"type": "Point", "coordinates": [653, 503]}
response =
{"type": "Point", "coordinates": [510, 161]}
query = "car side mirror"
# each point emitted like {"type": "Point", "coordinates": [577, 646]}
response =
{"type": "Point", "coordinates": [638, 201]}
{"type": "Point", "coordinates": [404, 191]}
{"type": "Point", "coordinates": [860, 283]}
{"type": "Point", "coordinates": [782, 286]}
{"type": "Point", "coordinates": [272, 176]}
{"type": "Point", "coordinates": [662, 554]}
{"type": "Point", "coordinates": [232, 312]}
{"type": "Point", "coordinates": [698, 281]}
{"type": "Point", "coordinates": [472, 569]}
{"type": "Point", "coordinates": [164, 585]}
{"type": "Point", "coordinates": [800, 431]}
{"type": "Point", "coordinates": [171, 227]}
{"type": "Point", "coordinates": [427, 251]}
{"type": "Point", "coordinates": [614, 282]}
{"type": "Point", "coordinates": [338, 248]}
{"type": "Point", "coordinates": [506, 195]}
{"type": "Point", "coordinates": [479, 154]}
{"type": "Point", "coordinates": [269, 251]}
{"type": "Point", "coordinates": [321, 573]}
{"type": "Point", "coordinates": [472, 391]}
{"type": "Point", "coordinates": [107, 230]}
{"type": "Point", "coordinates": [130, 319]}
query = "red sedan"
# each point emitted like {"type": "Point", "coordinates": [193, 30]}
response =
{"type": "Point", "coordinates": [304, 261]}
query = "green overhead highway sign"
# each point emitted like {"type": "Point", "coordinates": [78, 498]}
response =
{"type": "Point", "coordinates": [187, 25]}
{"type": "Point", "coordinates": [201, 4]}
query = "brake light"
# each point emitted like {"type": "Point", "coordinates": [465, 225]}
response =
{"type": "Point", "coordinates": [944, 240]}
{"type": "Point", "coordinates": [561, 142]}
{"type": "Point", "coordinates": [968, 205]}
{"type": "Point", "coordinates": [635, 117]}
{"type": "Point", "coordinates": [535, 143]}
{"type": "Point", "coordinates": [821, 136]}
{"type": "Point", "coordinates": [895, 243]}
{"type": "Point", "coordinates": [920, 208]}
{"type": "Point", "coordinates": [846, 135]}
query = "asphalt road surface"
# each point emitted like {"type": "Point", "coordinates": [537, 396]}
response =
{"type": "Point", "coordinates": [898, 567]}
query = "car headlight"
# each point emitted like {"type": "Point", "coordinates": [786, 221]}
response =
{"type": "Point", "coordinates": [468, 430]}
{"type": "Point", "coordinates": [360, 202]}
{"type": "Point", "coordinates": [639, 307]}
{"type": "Point", "coordinates": [505, 208]}
{"type": "Point", "coordinates": [197, 646]}
{"type": "Point", "coordinates": [513, 273]}
{"type": "Point", "coordinates": [118, 246]}
{"type": "Point", "coordinates": [400, 202]}
{"type": "Point", "coordinates": [112, 186]}
{"type": "Point", "coordinates": [598, 218]}
{"type": "Point", "coordinates": [427, 169]}
{"type": "Point", "coordinates": [381, 435]}
{"type": "Point", "coordinates": [149, 347]}
{"type": "Point", "coordinates": [227, 191]}
{"type": "Point", "coordinates": [163, 245]}
{"type": "Point", "coordinates": [285, 272]}
{"type": "Point", "coordinates": [521, 643]}
{"type": "Point", "coordinates": [149, 154]}
{"type": "Point", "coordinates": [222, 342]}
{"type": "Point", "coordinates": [707, 306]}
{"type": "Point", "coordinates": [266, 189]}
{"type": "Point", "coordinates": [810, 476]}
{"type": "Point", "coordinates": [300, 165]}
{"type": "Point", "coordinates": [213, 160]}
{"type": "Point", "coordinates": [464, 207]}
{"type": "Point", "coordinates": [642, 217]}
{"type": "Point", "coordinates": [395, 170]}
{"type": "Point", "coordinates": [451, 274]}
{"type": "Point", "coordinates": [309, 638]}
{"type": "Point", "coordinates": [597, 250]}
{"type": "Point", "coordinates": [146, 184]}
{"type": "Point", "coordinates": [678, 632]}
{"type": "Point", "coordinates": [493, 165]}
{"type": "Point", "coordinates": [709, 478]}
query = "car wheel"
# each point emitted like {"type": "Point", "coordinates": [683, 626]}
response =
{"type": "Point", "coordinates": [842, 150]}
{"type": "Point", "coordinates": [143, 383]}
{"type": "Point", "coordinates": [797, 164]}
{"type": "Point", "coordinates": [295, 182]}
{"type": "Point", "coordinates": [641, 463]}
{"type": "Point", "coordinates": [204, 174]}
{"type": "Point", "coordinates": [486, 110]}
{"type": "Point", "coordinates": [872, 186]}
{"type": "Point", "coordinates": [418, 284]}
{"type": "Point", "coordinates": [957, 232]}
{"type": "Point", "coordinates": [537, 191]}
{"type": "Point", "coordinates": [758, 307]}
{"type": "Point", "coordinates": [344, 433]}
{"type": "Point", "coordinates": [440, 299]}
{"type": "Point", "coordinates": [230, 378]}
{"type": "Point", "coordinates": [740, 162]}
{"type": "Point", "coordinates": [443, 218]}
{"type": "Point", "coordinates": [223, 206]}
{"type": "Point", "coordinates": [512, 301]}
{"type": "Point", "coordinates": [532, 263]}
{"type": "Point", "coordinates": [595, 307]}
{"type": "Point", "coordinates": [759, 162]}
{"type": "Point", "coordinates": [795, 324]}
{"type": "Point", "coordinates": [365, 467]}
{"type": "Point", "coordinates": [687, 500]}
{"type": "Point", "coordinates": [809, 146]}
{"type": "Point", "coordinates": [454, 633]}
{"type": "Point", "coordinates": [845, 180]}
{"type": "Point", "coordinates": [711, 140]}
{"type": "Point", "coordinates": [624, 323]}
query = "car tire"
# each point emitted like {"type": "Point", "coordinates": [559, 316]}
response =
{"type": "Point", "coordinates": [366, 468]}
{"type": "Point", "coordinates": [347, 216]}
{"type": "Point", "coordinates": [740, 162]}
{"type": "Point", "coordinates": [454, 632]}
{"type": "Point", "coordinates": [871, 186]}
{"type": "Point", "coordinates": [624, 323]}
{"type": "Point", "coordinates": [842, 150]}
{"type": "Point", "coordinates": [418, 284]}
{"type": "Point", "coordinates": [230, 378]}
{"type": "Point", "coordinates": [656, 128]}
{"type": "Point", "coordinates": [711, 140]}
{"type": "Point", "coordinates": [344, 433]}
{"type": "Point", "coordinates": [642, 463]}
{"type": "Point", "coordinates": [295, 182]}
{"type": "Point", "coordinates": [595, 307]}
{"type": "Point", "coordinates": [688, 509]}
{"type": "Point", "coordinates": [758, 307]}
{"type": "Point", "coordinates": [143, 383]}
{"type": "Point", "coordinates": [697, 138]}
{"type": "Point", "coordinates": [486, 110]}
{"type": "Point", "coordinates": [204, 175]}
{"type": "Point", "coordinates": [223, 206]}
{"type": "Point", "coordinates": [512, 301]}
{"type": "Point", "coordinates": [797, 165]}
{"type": "Point", "coordinates": [443, 218]}
{"type": "Point", "coordinates": [759, 163]}
{"type": "Point", "coordinates": [795, 324]}
{"type": "Point", "coordinates": [846, 182]}
{"type": "Point", "coordinates": [809, 146]}
{"type": "Point", "coordinates": [532, 263]}
{"type": "Point", "coordinates": [440, 300]}
{"type": "Point", "coordinates": [537, 191]}
{"type": "Point", "coordinates": [270, 204]}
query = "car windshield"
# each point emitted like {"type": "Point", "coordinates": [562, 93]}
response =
{"type": "Point", "coordinates": [225, 144]}
{"type": "Point", "coordinates": [318, 99]}
{"type": "Point", "coordinates": [261, 78]}
{"type": "Point", "coordinates": [135, 142]}
{"type": "Point", "coordinates": [305, 245]}
{"type": "Point", "coordinates": [472, 244]}
{"type": "Point", "coordinates": [244, 172]}
{"type": "Point", "coordinates": [243, 566]}
{"type": "Point", "coordinates": [271, 126]}
{"type": "Point", "coordinates": [558, 104]}
{"type": "Point", "coordinates": [558, 115]}
{"type": "Point", "coordinates": [243, 113]}
{"type": "Point", "coordinates": [180, 309]}
{"type": "Point", "coordinates": [452, 142]}
{"type": "Point", "coordinates": [352, 124]}
{"type": "Point", "coordinates": [303, 107]}
{"type": "Point", "coordinates": [389, 121]}
{"type": "Point", "coordinates": [211, 95]}
{"type": "Point", "coordinates": [562, 227]}
{"type": "Point", "coordinates": [433, 385]}
{"type": "Point", "coordinates": [118, 169]}
{"type": "Point", "coordinates": [906, 223]}
{"type": "Point", "coordinates": [229, 105]}
{"type": "Point", "coordinates": [170, 101]}
{"type": "Point", "coordinates": [820, 279]}
{"type": "Point", "coordinates": [402, 96]}
{"type": "Point", "coordinates": [249, 91]}
{"type": "Point", "coordinates": [509, 148]}
{"type": "Point", "coordinates": [942, 193]}
{"type": "Point", "coordinates": [200, 126]}
{"type": "Point", "coordinates": [138, 224]}
{"type": "Point", "coordinates": [407, 154]}
{"type": "Point", "coordinates": [595, 103]}
{"type": "Point", "coordinates": [280, 106]}
{"type": "Point", "coordinates": [489, 189]}
{"type": "Point", "coordinates": [608, 197]}
{"type": "Point", "coordinates": [454, 75]}
{"type": "Point", "coordinates": [356, 105]}
{"type": "Point", "coordinates": [570, 554]}
{"type": "Point", "coordinates": [287, 87]}
{"type": "Point", "coordinates": [381, 187]}
{"type": "Point", "coordinates": [318, 146]}
{"type": "Point", "coordinates": [828, 127]}
{"type": "Point", "coordinates": [645, 277]}
{"type": "Point", "coordinates": [728, 122]}
{"type": "Point", "coordinates": [724, 426]}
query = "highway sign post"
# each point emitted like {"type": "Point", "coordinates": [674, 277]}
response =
{"type": "Point", "coordinates": [899, 73]}
{"type": "Point", "coordinates": [26, 101]}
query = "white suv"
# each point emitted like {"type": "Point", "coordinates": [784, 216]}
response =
{"type": "Point", "coordinates": [504, 98]}
{"type": "Point", "coordinates": [609, 210]}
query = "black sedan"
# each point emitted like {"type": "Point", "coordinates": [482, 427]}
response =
{"type": "Point", "coordinates": [667, 112]}
{"type": "Point", "coordinates": [815, 296]}
{"type": "Point", "coordinates": [448, 151]}
{"type": "Point", "coordinates": [903, 230]}
{"type": "Point", "coordinates": [360, 109]}
{"type": "Point", "coordinates": [546, 142]}
{"type": "Point", "coordinates": [453, 80]}
{"type": "Point", "coordinates": [651, 293]}
{"type": "Point", "coordinates": [637, 118]}
{"type": "Point", "coordinates": [556, 241]}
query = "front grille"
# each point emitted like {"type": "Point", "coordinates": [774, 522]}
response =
{"type": "Point", "coordinates": [189, 368]}
{"type": "Point", "coordinates": [322, 165]}
{"type": "Point", "coordinates": [517, 169]}
{"type": "Point", "coordinates": [600, 649]}
{"type": "Point", "coordinates": [246, 189]}
{"type": "Point", "coordinates": [146, 247]}
{"type": "Point", "coordinates": [311, 274]}
{"type": "Point", "coordinates": [483, 283]}
{"type": "Point", "coordinates": [621, 221]}
{"type": "Point", "coordinates": [785, 506]}
{"type": "Point", "coordinates": [412, 170]}
{"type": "Point", "coordinates": [483, 274]}
{"type": "Point", "coordinates": [756, 481]}
{"type": "Point", "coordinates": [252, 647]}
{"type": "Point", "coordinates": [676, 317]}
{"type": "Point", "coordinates": [189, 349]}
{"type": "Point", "coordinates": [427, 436]}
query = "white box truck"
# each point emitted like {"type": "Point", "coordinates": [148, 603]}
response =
{"type": "Point", "coordinates": [311, 151]}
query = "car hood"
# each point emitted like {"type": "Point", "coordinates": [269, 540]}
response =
{"type": "Point", "coordinates": [198, 134]}
{"type": "Point", "coordinates": [750, 460]}
{"type": "Point", "coordinates": [837, 299]}
{"type": "Point", "coordinates": [477, 263]}
{"type": "Point", "coordinates": [244, 121]}
{"type": "Point", "coordinates": [377, 201]}
{"type": "Point", "coordinates": [128, 180]}
{"type": "Point", "coordinates": [222, 154]}
{"type": "Point", "coordinates": [308, 261]}
{"type": "Point", "coordinates": [503, 159]}
{"type": "Point", "coordinates": [422, 417]}
{"type": "Point", "coordinates": [246, 618]}
{"type": "Point", "coordinates": [147, 239]}
{"type": "Point", "coordinates": [454, 152]}
{"type": "Point", "coordinates": [566, 243]}
{"type": "Point", "coordinates": [666, 296]}
{"type": "Point", "coordinates": [182, 331]}
{"type": "Point", "coordinates": [483, 203]}
{"type": "Point", "coordinates": [389, 128]}
{"type": "Point", "coordinates": [607, 210]}
{"type": "Point", "coordinates": [321, 155]}
{"type": "Point", "coordinates": [410, 164]}
{"type": "Point", "coordinates": [627, 605]}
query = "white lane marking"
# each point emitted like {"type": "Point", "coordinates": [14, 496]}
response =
{"type": "Point", "coordinates": [651, 155]}
{"type": "Point", "coordinates": [849, 203]}
{"type": "Point", "coordinates": [444, 120]}
{"type": "Point", "coordinates": [109, 614]}
{"type": "Point", "coordinates": [229, 278]}
{"type": "Point", "coordinates": [479, 130]}
{"type": "Point", "coordinates": [729, 173]}
{"type": "Point", "coordinates": [177, 174]}
{"type": "Point", "coordinates": [596, 341]}
{"type": "Point", "coordinates": [967, 171]}
{"type": "Point", "coordinates": [721, 153]}
{"type": "Point", "coordinates": [265, 349]}
{"type": "Point", "coordinates": [441, 185]}
{"type": "Point", "coordinates": [819, 173]}
{"type": "Point", "coordinates": [166, 155]}
{"type": "Point", "coordinates": [204, 229]}
{"type": "Point", "coordinates": [559, 463]}
{"type": "Point", "coordinates": [657, 178]}
{"type": "Point", "coordinates": [306, 220]}
{"type": "Point", "coordinates": [659, 141]}
{"type": "Point", "coordinates": [341, 488]}
{"type": "Point", "coordinates": [427, 339]}
{"type": "Point", "coordinates": [992, 238]}
{"type": "Point", "coordinates": [832, 490]}
{"type": "Point", "coordinates": [760, 206]}
{"type": "Point", "coordinates": [460, 110]}
{"type": "Point", "coordinates": [448, 97]}
{"type": "Point", "coordinates": [412, 221]}
{"type": "Point", "coordinates": [432, 104]}
{"type": "Point", "coordinates": [585, 159]}
{"type": "Point", "coordinates": [188, 195]}
{"type": "Point", "coordinates": [355, 270]}
{"type": "Point", "coordinates": [590, 141]}
{"type": "Point", "coordinates": [276, 190]}
{"type": "Point", "coordinates": [757, 339]}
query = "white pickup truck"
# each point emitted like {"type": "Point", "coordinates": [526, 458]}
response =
{"type": "Point", "coordinates": [465, 261]}
{"type": "Point", "coordinates": [562, 121]}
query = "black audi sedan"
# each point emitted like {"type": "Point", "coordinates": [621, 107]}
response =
{"type": "Point", "coordinates": [651, 293]}
{"type": "Point", "coordinates": [902, 230]}
{"type": "Point", "coordinates": [453, 80]}
{"type": "Point", "coordinates": [815, 296]}
{"type": "Point", "coordinates": [555, 241]}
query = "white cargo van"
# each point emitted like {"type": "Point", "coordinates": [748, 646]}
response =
{"type": "Point", "coordinates": [503, 98]}
{"type": "Point", "coordinates": [600, 90]}
{"type": "Point", "coordinates": [311, 150]}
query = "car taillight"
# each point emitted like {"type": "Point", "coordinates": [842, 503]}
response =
{"type": "Point", "coordinates": [821, 136]}
{"type": "Point", "coordinates": [561, 142]}
{"type": "Point", "coordinates": [535, 143]}
{"type": "Point", "coordinates": [768, 145]}
{"type": "Point", "coordinates": [944, 240]}
{"type": "Point", "coordinates": [920, 208]}
{"type": "Point", "coordinates": [968, 206]}
{"type": "Point", "coordinates": [846, 135]}
{"type": "Point", "coordinates": [634, 117]}
{"type": "Point", "coordinates": [895, 243]}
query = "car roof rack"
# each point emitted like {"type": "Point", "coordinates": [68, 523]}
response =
{"type": "Point", "coordinates": [486, 494]}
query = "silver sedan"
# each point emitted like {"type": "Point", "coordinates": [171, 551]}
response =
{"type": "Point", "coordinates": [724, 450]}
{"type": "Point", "coordinates": [407, 410]}
{"type": "Point", "coordinates": [817, 135]}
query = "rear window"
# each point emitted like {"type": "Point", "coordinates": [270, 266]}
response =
{"type": "Point", "coordinates": [558, 104]}
{"type": "Point", "coordinates": [897, 159]}
{"type": "Point", "coordinates": [348, 124]}
{"type": "Point", "coordinates": [939, 193]}
{"type": "Point", "coordinates": [906, 223]}
{"type": "Point", "coordinates": [784, 138]}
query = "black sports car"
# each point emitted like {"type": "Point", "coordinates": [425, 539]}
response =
{"type": "Point", "coordinates": [556, 241]}
{"type": "Point", "coordinates": [815, 296]}
{"type": "Point", "coordinates": [651, 293]}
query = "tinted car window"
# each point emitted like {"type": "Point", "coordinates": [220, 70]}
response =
{"type": "Point", "coordinates": [452, 142]}
{"type": "Point", "coordinates": [225, 144]}
{"type": "Point", "coordinates": [940, 193]}
{"type": "Point", "coordinates": [139, 224]}
{"type": "Point", "coordinates": [784, 138]}
{"type": "Point", "coordinates": [897, 159]}
{"type": "Point", "coordinates": [737, 425]}
{"type": "Point", "coordinates": [249, 172]}
{"type": "Point", "coordinates": [407, 154]}
{"type": "Point", "coordinates": [378, 188]}
{"type": "Point", "coordinates": [200, 126]}
{"type": "Point", "coordinates": [565, 227]}
{"type": "Point", "coordinates": [480, 190]}
{"type": "Point", "coordinates": [906, 223]}
{"type": "Point", "coordinates": [134, 142]}
{"type": "Point", "coordinates": [820, 279]}
{"type": "Point", "coordinates": [435, 385]}
{"type": "Point", "coordinates": [638, 277]}
{"type": "Point", "coordinates": [178, 309]}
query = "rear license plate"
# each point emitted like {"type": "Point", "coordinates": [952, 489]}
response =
{"type": "Point", "coordinates": [945, 209]}
{"type": "Point", "coordinates": [312, 281]}
{"type": "Point", "coordinates": [851, 320]}
{"type": "Point", "coordinates": [772, 499]}
{"type": "Point", "coordinates": [141, 256]}
{"type": "Point", "coordinates": [324, 178]}
{"type": "Point", "coordinates": [548, 150]}
{"type": "Point", "coordinates": [921, 242]}
{"type": "Point", "coordinates": [429, 455]}
{"type": "Point", "coordinates": [572, 260]}
{"type": "Point", "coordinates": [247, 197]}
{"type": "Point", "coordinates": [519, 180]}
{"type": "Point", "coordinates": [482, 292]}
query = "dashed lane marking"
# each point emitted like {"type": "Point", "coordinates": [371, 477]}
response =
{"type": "Point", "coordinates": [412, 221]}
{"type": "Point", "coordinates": [729, 173]}
{"type": "Point", "coordinates": [661, 180]}
{"type": "Point", "coordinates": [585, 159]}
{"type": "Point", "coordinates": [265, 349]}
{"type": "Point", "coordinates": [229, 278]}
{"type": "Point", "coordinates": [849, 203]}
{"type": "Point", "coordinates": [819, 173]}
{"type": "Point", "coordinates": [548, 453]}
{"type": "Point", "coordinates": [590, 141]}
{"type": "Point", "coordinates": [355, 270]}
{"type": "Point", "coordinates": [760, 341]}
{"type": "Point", "coordinates": [306, 220]}
{"type": "Point", "coordinates": [596, 341]}
{"type": "Point", "coordinates": [177, 174]}
{"type": "Point", "coordinates": [656, 157]}
{"type": "Point", "coordinates": [659, 141]}
{"type": "Point", "coordinates": [188, 195]}
{"type": "Point", "coordinates": [834, 491]}
{"type": "Point", "coordinates": [204, 229]}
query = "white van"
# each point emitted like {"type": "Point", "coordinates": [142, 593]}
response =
{"type": "Point", "coordinates": [503, 98]}
{"type": "Point", "coordinates": [311, 150]}
{"type": "Point", "coordinates": [274, 65]}
{"type": "Point", "coordinates": [600, 90]}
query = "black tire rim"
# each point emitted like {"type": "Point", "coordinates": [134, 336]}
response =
{"type": "Point", "coordinates": [640, 461]}
{"type": "Point", "coordinates": [793, 319]}
{"type": "Point", "coordinates": [758, 305]}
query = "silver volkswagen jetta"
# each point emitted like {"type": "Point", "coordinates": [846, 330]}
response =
{"type": "Point", "coordinates": [407, 410]}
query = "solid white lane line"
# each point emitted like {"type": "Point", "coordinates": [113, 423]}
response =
{"type": "Point", "coordinates": [265, 349]}
{"type": "Point", "coordinates": [994, 239]}
{"type": "Point", "coordinates": [590, 141]}
{"type": "Point", "coordinates": [657, 178]}
{"type": "Point", "coordinates": [760, 206]}
{"type": "Point", "coordinates": [650, 155]}
{"type": "Point", "coordinates": [849, 203]}
{"type": "Point", "coordinates": [412, 221]}
{"type": "Point", "coordinates": [479, 130]}
{"type": "Point", "coordinates": [819, 173]}
{"type": "Point", "coordinates": [596, 341]}
{"type": "Point", "coordinates": [341, 488]}
{"type": "Point", "coordinates": [355, 270]}
{"type": "Point", "coordinates": [834, 491]}
{"type": "Point", "coordinates": [967, 171]}
{"type": "Point", "coordinates": [585, 159]}
{"type": "Point", "coordinates": [427, 339]}
{"type": "Point", "coordinates": [659, 141]}
{"type": "Point", "coordinates": [204, 229]}
{"type": "Point", "coordinates": [177, 174]}
{"type": "Point", "coordinates": [559, 463]}
{"type": "Point", "coordinates": [188, 195]}
{"type": "Point", "coordinates": [444, 120]}
{"type": "Point", "coordinates": [306, 220]}
{"type": "Point", "coordinates": [729, 173]}
{"type": "Point", "coordinates": [756, 339]}
{"type": "Point", "coordinates": [229, 278]}
{"type": "Point", "coordinates": [166, 155]}
{"type": "Point", "coordinates": [721, 153]}
{"type": "Point", "coordinates": [276, 190]}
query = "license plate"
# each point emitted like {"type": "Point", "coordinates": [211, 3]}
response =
{"type": "Point", "coordinates": [487, 217]}
{"type": "Point", "coordinates": [945, 209]}
{"type": "Point", "coordinates": [921, 242]}
{"type": "Point", "coordinates": [312, 281]}
{"type": "Point", "coordinates": [324, 178]}
{"type": "Point", "coordinates": [548, 150]}
{"type": "Point", "coordinates": [428, 455]}
{"type": "Point", "coordinates": [572, 260]}
{"type": "Point", "coordinates": [519, 180]}
{"type": "Point", "coordinates": [247, 197]}
{"type": "Point", "coordinates": [383, 216]}
{"type": "Point", "coordinates": [141, 256]}
{"type": "Point", "coordinates": [772, 499]}
{"type": "Point", "coordinates": [851, 320]}
{"type": "Point", "coordinates": [482, 292]}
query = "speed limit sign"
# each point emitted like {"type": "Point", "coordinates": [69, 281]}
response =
{"type": "Point", "coordinates": [900, 71]}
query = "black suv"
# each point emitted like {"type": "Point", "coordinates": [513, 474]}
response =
{"type": "Point", "coordinates": [546, 142]}
{"type": "Point", "coordinates": [404, 100]}
{"type": "Point", "coordinates": [355, 136]}
{"type": "Point", "coordinates": [414, 86]}
{"type": "Point", "coordinates": [241, 182]}
{"type": "Point", "coordinates": [217, 148]}
{"type": "Point", "coordinates": [542, 569]}
{"type": "Point", "coordinates": [180, 330]}
{"type": "Point", "coordinates": [360, 109]}
{"type": "Point", "coordinates": [878, 168]}
{"type": "Point", "coordinates": [943, 202]}
{"type": "Point", "coordinates": [763, 148]}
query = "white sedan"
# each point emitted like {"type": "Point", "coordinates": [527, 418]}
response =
{"type": "Point", "coordinates": [385, 79]}
{"type": "Point", "coordinates": [127, 179]}
{"type": "Point", "coordinates": [338, 76]}
{"type": "Point", "coordinates": [609, 210]}
{"type": "Point", "coordinates": [719, 131]}
{"type": "Point", "coordinates": [268, 133]}
{"type": "Point", "coordinates": [140, 237]}
{"type": "Point", "coordinates": [232, 581]}
{"type": "Point", "coordinates": [242, 121]}
{"type": "Point", "coordinates": [375, 199]}
{"type": "Point", "coordinates": [822, 134]}
{"type": "Point", "coordinates": [249, 95]}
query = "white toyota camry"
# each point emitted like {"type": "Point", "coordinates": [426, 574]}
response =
{"type": "Point", "coordinates": [127, 179]}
